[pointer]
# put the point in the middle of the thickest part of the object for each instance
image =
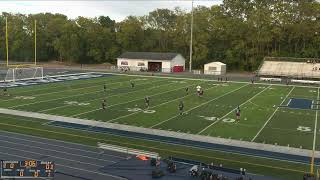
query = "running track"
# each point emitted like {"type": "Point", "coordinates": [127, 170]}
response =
{"type": "Point", "coordinates": [73, 161]}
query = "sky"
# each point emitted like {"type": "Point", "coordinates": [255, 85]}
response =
{"type": "Point", "coordinates": [115, 9]}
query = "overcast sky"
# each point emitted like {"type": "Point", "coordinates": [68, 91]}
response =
{"type": "Point", "coordinates": [117, 10]}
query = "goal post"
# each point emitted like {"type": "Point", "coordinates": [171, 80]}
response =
{"type": "Point", "coordinates": [24, 73]}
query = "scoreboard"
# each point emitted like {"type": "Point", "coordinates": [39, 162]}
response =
{"type": "Point", "coordinates": [27, 169]}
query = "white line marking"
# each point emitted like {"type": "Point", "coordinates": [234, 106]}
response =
{"type": "Point", "coordinates": [232, 110]}
{"type": "Point", "coordinates": [62, 152]}
{"type": "Point", "coordinates": [50, 88]}
{"type": "Point", "coordinates": [198, 106]}
{"type": "Point", "coordinates": [66, 166]}
{"type": "Point", "coordinates": [315, 126]}
{"type": "Point", "coordinates": [55, 145]}
{"type": "Point", "coordinates": [157, 105]}
{"type": "Point", "coordinates": [76, 115]}
{"type": "Point", "coordinates": [271, 116]}
{"type": "Point", "coordinates": [94, 99]}
{"type": "Point", "coordinates": [65, 97]}
{"type": "Point", "coordinates": [133, 138]}
{"type": "Point", "coordinates": [63, 158]}
{"type": "Point", "coordinates": [289, 102]}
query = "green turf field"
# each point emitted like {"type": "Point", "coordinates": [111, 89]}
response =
{"type": "Point", "coordinates": [211, 115]}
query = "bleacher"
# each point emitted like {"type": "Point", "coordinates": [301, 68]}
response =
{"type": "Point", "coordinates": [300, 68]}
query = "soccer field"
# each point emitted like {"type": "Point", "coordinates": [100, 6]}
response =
{"type": "Point", "coordinates": [271, 114]}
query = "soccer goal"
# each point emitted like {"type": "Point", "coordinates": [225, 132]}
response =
{"type": "Point", "coordinates": [24, 73]}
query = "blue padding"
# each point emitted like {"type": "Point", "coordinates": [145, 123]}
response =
{"type": "Point", "coordinates": [297, 103]}
{"type": "Point", "coordinates": [191, 143]}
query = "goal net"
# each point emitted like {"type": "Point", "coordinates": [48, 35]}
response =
{"type": "Point", "coordinates": [25, 73]}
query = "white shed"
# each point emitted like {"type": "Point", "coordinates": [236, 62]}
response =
{"type": "Point", "coordinates": [151, 61]}
{"type": "Point", "coordinates": [215, 68]}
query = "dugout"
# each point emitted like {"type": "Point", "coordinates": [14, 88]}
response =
{"type": "Point", "coordinates": [151, 61]}
{"type": "Point", "coordinates": [215, 68]}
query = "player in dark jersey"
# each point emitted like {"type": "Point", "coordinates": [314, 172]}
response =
{"type": "Point", "coordinates": [132, 84]}
{"type": "Point", "coordinates": [238, 113]}
{"type": "Point", "coordinates": [181, 106]}
{"type": "Point", "coordinates": [105, 88]}
{"type": "Point", "coordinates": [252, 81]}
{"type": "Point", "coordinates": [5, 91]}
{"type": "Point", "coordinates": [201, 93]}
{"type": "Point", "coordinates": [147, 101]}
{"type": "Point", "coordinates": [187, 90]}
{"type": "Point", "coordinates": [104, 104]}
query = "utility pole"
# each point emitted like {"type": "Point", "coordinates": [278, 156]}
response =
{"type": "Point", "coordinates": [190, 62]}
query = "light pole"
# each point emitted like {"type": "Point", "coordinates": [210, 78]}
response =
{"type": "Point", "coordinates": [191, 27]}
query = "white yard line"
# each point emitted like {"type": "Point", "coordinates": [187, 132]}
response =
{"type": "Point", "coordinates": [315, 126]}
{"type": "Point", "coordinates": [49, 100]}
{"type": "Point", "coordinates": [56, 92]}
{"type": "Point", "coordinates": [254, 138]}
{"type": "Point", "coordinates": [62, 86]}
{"type": "Point", "coordinates": [94, 99]}
{"type": "Point", "coordinates": [76, 115]}
{"type": "Point", "coordinates": [215, 122]}
{"type": "Point", "coordinates": [199, 106]}
{"type": "Point", "coordinates": [158, 104]}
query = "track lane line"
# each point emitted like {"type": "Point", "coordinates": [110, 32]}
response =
{"type": "Point", "coordinates": [52, 150]}
{"type": "Point", "coordinates": [74, 168]}
{"type": "Point", "coordinates": [57, 157]}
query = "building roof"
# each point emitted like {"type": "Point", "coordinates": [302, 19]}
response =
{"type": "Point", "coordinates": [148, 55]}
{"type": "Point", "coordinates": [217, 63]}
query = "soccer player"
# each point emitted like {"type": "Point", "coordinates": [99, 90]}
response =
{"type": "Point", "coordinates": [104, 104]}
{"type": "Point", "coordinates": [187, 90]}
{"type": "Point", "coordinates": [5, 91]}
{"type": "Point", "coordinates": [238, 113]}
{"type": "Point", "coordinates": [201, 93]}
{"type": "Point", "coordinates": [105, 88]}
{"type": "Point", "coordinates": [252, 81]}
{"type": "Point", "coordinates": [198, 90]}
{"type": "Point", "coordinates": [147, 101]}
{"type": "Point", "coordinates": [132, 84]}
{"type": "Point", "coordinates": [181, 106]}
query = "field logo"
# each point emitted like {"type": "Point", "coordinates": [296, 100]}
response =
{"type": "Point", "coordinates": [209, 118]}
{"type": "Point", "coordinates": [139, 109]}
{"type": "Point", "coordinates": [304, 129]}
{"type": "Point", "coordinates": [76, 103]}
{"type": "Point", "coordinates": [24, 97]}
{"type": "Point", "coordinates": [228, 120]}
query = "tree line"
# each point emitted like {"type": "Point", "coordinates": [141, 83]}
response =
{"type": "Point", "coordinates": [238, 33]}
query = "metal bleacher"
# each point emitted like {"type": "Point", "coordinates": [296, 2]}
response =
{"type": "Point", "coordinates": [301, 68]}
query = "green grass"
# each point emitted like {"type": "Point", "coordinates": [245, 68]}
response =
{"type": "Point", "coordinates": [206, 115]}
{"type": "Point", "coordinates": [256, 165]}
{"type": "Point", "coordinates": [211, 115]}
